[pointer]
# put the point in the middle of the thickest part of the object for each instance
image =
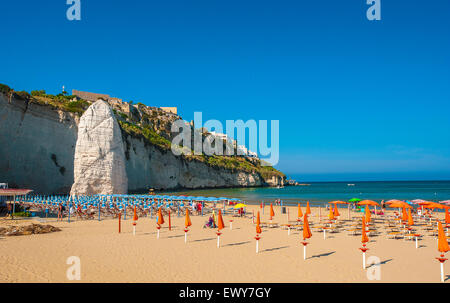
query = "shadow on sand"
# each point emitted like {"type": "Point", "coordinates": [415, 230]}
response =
{"type": "Point", "coordinates": [206, 239]}
{"type": "Point", "coordinates": [323, 255]}
{"type": "Point", "coordinates": [381, 263]}
{"type": "Point", "coordinates": [239, 243]}
{"type": "Point", "coordinates": [275, 248]}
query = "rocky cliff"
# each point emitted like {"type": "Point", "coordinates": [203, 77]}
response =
{"type": "Point", "coordinates": [99, 162]}
{"type": "Point", "coordinates": [37, 147]}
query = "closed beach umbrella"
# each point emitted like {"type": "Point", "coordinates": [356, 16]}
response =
{"type": "Point", "coordinates": [187, 223]}
{"type": "Point", "coordinates": [367, 215]}
{"type": "Point", "coordinates": [410, 218]}
{"type": "Point", "coordinates": [442, 240]}
{"type": "Point", "coordinates": [258, 219]}
{"type": "Point", "coordinates": [159, 222]}
{"type": "Point", "coordinates": [308, 209]}
{"type": "Point", "coordinates": [220, 225]}
{"type": "Point", "coordinates": [331, 214]}
{"type": "Point", "coordinates": [160, 217]}
{"type": "Point", "coordinates": [364, 240]}
{"type": "Point", "coordinates": [404, 214]}
{"type": "Point", "coordinates": [442, 248]}
{"type": "Point", "coordinates": [300, 213]}
{"type": "Point", "coordinates": [258, 232]}
{"type": "Point", "coordinates": [336, 212]}
{"type": "Point", "coordinates": [306, 231]}
{"type": "Point", "coordinates": [306, 234]}
{"type": "Point", "coordinates": [258, 229]}
{"type": "Point", "coordinates": [272, 213]}
{"type": "Point", "coordinates": [187, 220]}
{"type": "Point", "coordinates": [135, 218]}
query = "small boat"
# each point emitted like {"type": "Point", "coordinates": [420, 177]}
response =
{"type": "Point", "coordinates": [350, 184]}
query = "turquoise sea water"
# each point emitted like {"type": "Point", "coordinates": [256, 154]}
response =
{"type": "Point", "coordinates": [323, 192]}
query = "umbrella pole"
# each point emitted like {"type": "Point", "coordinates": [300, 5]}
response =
{"type": "Point", "coordinates": [257, 246]}
{"type": "Point", "coordinates": [324, 234]}
{"type": "Point", "coordinates": [304, 252]}
{"type": "Point", "coordinates": [289, 230]}
{"type": "Point", "coordinates": [120, 215]}
{"type": "Point", "coordinates": [231, 224]}
{"type": "Point", "coordinates": [442, 272]}
{"type": "Point", "coordinates": [218, 241]}
{"type": "Point", "coordinates": [185, 236]}
{"type": "Point", "coordinates": [134, 228]}
{"type": "Point", "coordinates": [364, 260]}
{"type": "Point", "coordinates": [416, 243]}
{"type": "Point", "coordinates": [157, 235]}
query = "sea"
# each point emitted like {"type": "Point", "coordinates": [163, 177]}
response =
{"type": "Point", "coordinates": [324, 192]}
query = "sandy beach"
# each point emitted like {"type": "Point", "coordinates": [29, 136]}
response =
{"type": "Point", "coordinates": [107, 256]}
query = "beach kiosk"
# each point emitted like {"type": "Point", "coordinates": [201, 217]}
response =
{"type": "Point", "coordinates": [10, 192]}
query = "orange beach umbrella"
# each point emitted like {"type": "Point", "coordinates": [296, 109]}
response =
{"type": "Point", "coordinates": [331, 214]}
{"type": "Point", "coordinates": [447, 216]}
{"type": "Point", "coordinates": [368, 202]}
{"type": "Point", "coordinates": [135, 216]}
{"type": "Point", "coordinates": [220, 223]}
{"type": "Point", "coordinates": [272, 213]}
{"type": "Point", "coordinates": [258, 220]}
{"type": "Point", "coordinates": [308, 209]}
{"type": "Point", "coordinates": [258, 227]}
{"type": "Point", "coordinates": [435, 205]}
{"type": "Point", "coordinates": [160, 217]}
{"type": "Point", "coordinates": [410, 218]}
{"type": "Point", "coordinates": [187, 220]}
{"type": "Point", "coordinates": [338, 202]}
{"type": "Point", "coordinates": [364, 238]}
{"type": "Point", "coordinates": [399, 204]}
{"type": "Point", "coordinates": [300, 213]}
{"type": "Point", "coordinates": [404, 214]}
{"type": "Point", "coordinates": [306, 231]}
{"type": "Point", "coordinates": [306, 234]}
{"type": "Point", "coordinates": [442, 240]}
{"type": "Point", "coordinates": [367, 215]}
{"type": "Point", "coordinates": [336, 212]}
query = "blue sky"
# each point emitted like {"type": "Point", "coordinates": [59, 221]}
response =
{"type": "Point", "coordinates": [354, 97]}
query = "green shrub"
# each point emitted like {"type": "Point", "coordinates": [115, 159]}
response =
{"type": "Point", "coordinates": [4, 89]}
{"type": "Point", "coordinates": [78, 106]}
{"type": "Point", "coordinates": [22, 95]}
{"type": "Point", "coordinates": [40, 93]}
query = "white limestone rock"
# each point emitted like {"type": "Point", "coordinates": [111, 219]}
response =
{"type": "Point", "coordinates": [99, 164]}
